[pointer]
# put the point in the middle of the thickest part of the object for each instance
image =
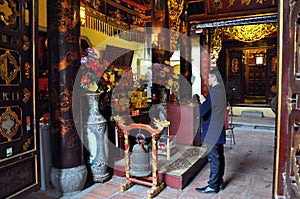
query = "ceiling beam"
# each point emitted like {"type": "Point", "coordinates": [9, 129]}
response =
{"type": "Point", "coordinates": [239, 22]}
{"type": "Point", "coordinates": [142, 7]}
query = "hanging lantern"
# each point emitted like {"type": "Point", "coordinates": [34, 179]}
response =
{"type": "Point", "coordinates": [259, 58]}
{"type": "Point", "coordinates": [140, 158]}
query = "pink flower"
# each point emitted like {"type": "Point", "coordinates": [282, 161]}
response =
{"type": "Point", "coordinates": [99, 71]}
{"type": "Point", "coordinates": [85, 80]}
{"type": "Point", "coordinates": [83, 60]}
{"type": "Point", "coordinates": [91, 51]}
{"type": "Point", "coordinates": [106, 63]}
{"type": "Point", "coordinates": [162, 73]}
{"type": "Point", "coordinates": [93, 65]}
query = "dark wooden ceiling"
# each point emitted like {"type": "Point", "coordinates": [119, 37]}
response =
{"type": "Point", "coordinates": [138, 12]}
{"type": "Point", "coordinates": [200, 11]}
{"type": "Point", "coordinates": [142, 4]}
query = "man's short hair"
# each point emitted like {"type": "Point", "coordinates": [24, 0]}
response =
{"type": "Point", "coordinates": [215, 72]}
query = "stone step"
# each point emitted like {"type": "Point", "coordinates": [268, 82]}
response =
{"type": "Point", "coordinates": [256, 114]}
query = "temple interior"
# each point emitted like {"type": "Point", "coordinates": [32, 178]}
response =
{"type": "Point", "coordinates": [98, 90]}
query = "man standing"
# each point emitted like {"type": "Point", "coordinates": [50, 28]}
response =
{"type": "Point", "coordinates": [212, 112]}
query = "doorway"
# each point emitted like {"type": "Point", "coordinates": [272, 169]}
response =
{"type": "Point", "coordinates": [250, 72]}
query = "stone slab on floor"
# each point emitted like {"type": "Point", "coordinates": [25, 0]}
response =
{"type": "Point", "coordinates": [255, 114]}
{"type": "Point", "coordinates": [179, 170]}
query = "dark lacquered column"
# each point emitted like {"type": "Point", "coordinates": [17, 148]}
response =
{"type": "Point", "coordinates": [159, 21]}
{"type": "Point", "coordinates": [68, 173]}
{"type": "Point", "coordinates": [185, 60]}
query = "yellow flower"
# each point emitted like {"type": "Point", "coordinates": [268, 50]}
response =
{"type": "Point", "coordinates": [93, 87]}
{"type": "Point", "coordinates": [166, 69]}
{"type": "Point", "coordinates": [176, 76]}
{"type": "Point", "coordinates": [105, 76]}
{"type": "Point", "coordinates": [112, 77]}
{"type": "Point", "coordinates": [109, 87]}
{"type": "Point", "coordinates": [170, 82]}
{"type": "Point", "coordinates": [176, 86]}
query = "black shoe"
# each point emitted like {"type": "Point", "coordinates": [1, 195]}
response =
{"type": "Point", "coordinates": [207, 189]}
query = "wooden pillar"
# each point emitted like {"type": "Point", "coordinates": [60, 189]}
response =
{"type": "Point", "coordinates": [205, 62]}
{"type": "Point", "coordinates": [282, 132]}
{"type": "Point", "coordinates": [63, 32]}
{"type": "Point", "coordinates": [160, 38]}
{"type": "Point", "coordinates": [185, 59]}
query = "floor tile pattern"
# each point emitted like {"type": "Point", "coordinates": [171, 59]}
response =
{"type": "Point", "coordinates": [248, 175]}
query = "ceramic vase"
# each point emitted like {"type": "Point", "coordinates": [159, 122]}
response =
{"type": "Point", "coordinates": [96, 140]}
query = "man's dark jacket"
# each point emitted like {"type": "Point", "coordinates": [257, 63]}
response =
{"type": "Point", "coordinates": [212, 112]}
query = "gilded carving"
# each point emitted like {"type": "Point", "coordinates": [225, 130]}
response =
{"type": "Point", "coordinates": [260, 1]}
{"type": "Point", "coordinates": [8, 12]}
{"type": "Point", "coordinates": [216, 44]}
{"type": "Point", "coordinates": [27, 70]}
{"type": "Point", "coordinates": [27, 95]}
{"type": "Point", "coordinates": [250, 33]}
{"type": "Point", "coordinates": [160, 124]}
{"type": "Point", "coordinates": [73, 141]}
{"type": "Point", "coordinates": [65, 101]}
{"type": "Point", "coordinates": [66, 61]}
{"type": "Point", "coordinates": [9, 67]}
{"type": "Point", "coordinates": [68, 19]}
{"type": "Point", "coordinates": [245, 2]}
{"type": "Point", "coordinates": [234, 65]}
{"type": "Point", "coordinates": [27, 144]}
{"type": "Point", "coordinates": [230, 3]}
{"type": "Point", "coordinates": [117, 16]}
{"type": "Point", "coordinates": [274, 64]}
{"type": "Point", "coordinates": [218, 4]}
{"type": "Point", "coordinates": [175, 8]}
{"type": "Point", "coordinates": [62, 126]}
{"type": "Point", "coordinates": [26, 43]}
{"type": "Point", "coordinates": [9, 124]}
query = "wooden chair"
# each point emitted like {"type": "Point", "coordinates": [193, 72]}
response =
{"type": "Point", "coordinates": [229, 128]}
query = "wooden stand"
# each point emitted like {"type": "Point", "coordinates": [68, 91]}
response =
{"type": "Point", "coordinates": [152, 181]}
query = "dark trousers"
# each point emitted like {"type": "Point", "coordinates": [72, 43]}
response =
{"type": "Point", "coordinates": [216, 162]}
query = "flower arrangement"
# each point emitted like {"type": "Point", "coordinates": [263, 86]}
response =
{"type": "Point", "coordinates": [164, 75]}
{"type": "Point", "coordinates": [96, 77]}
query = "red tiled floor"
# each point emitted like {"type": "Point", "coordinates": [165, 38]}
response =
{"type": "Point", "coordinates": [88, 196]}
{"type": "Point", "coordinates": [248, 174]}
{"type": "Point", "coordinates": [105, 191]}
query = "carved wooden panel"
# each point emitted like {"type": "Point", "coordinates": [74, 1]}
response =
{"type": "Point", "coordinates": [271, 74]}
{"type": "Point", "coordinates": [293, 101]}
{"type": "Point", "coordinates": [225, 6]}
{"type": "Point", "coordinates": [17, 176]}
{"type": "Point", "coordinates": [18, 136]}
{"type": "Point", "coordinates": [257, 80]}
{"type": "Point", "coordinates": [235, 77]}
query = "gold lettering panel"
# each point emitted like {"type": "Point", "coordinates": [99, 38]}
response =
{"type": "Point", "coordinates": [10, 123]}
{"type": "Point", "coordinates": [10, 69]}
{"type": "Point", "coordinates": [10, 96]}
